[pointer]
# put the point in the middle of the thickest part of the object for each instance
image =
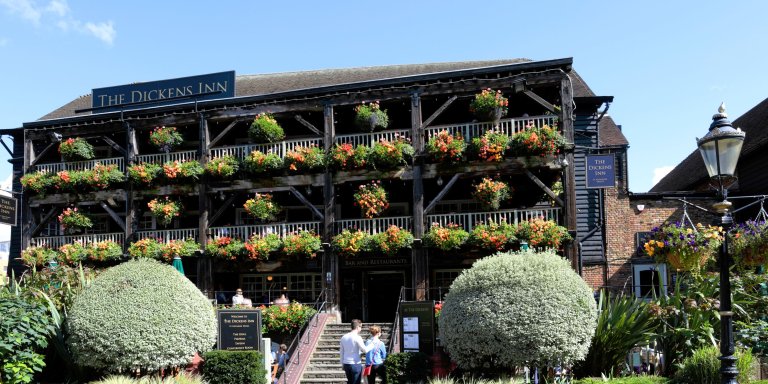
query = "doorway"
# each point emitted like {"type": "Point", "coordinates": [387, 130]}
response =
{"type": "Point", "coordinates": [383, 291]}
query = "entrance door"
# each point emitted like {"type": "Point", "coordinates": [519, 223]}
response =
{"type": "Point", "coordinates": [383, 291]}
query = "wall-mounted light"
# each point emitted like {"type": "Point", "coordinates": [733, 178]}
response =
{"type": "Point", "coordinates": [440, 181]}
{"type": "Point", "coordinates": [269, 278]}
{"type": "Point", "coordinates": [640, 207]}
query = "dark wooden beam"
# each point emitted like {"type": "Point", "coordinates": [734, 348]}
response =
{"type": "Point", "coordinates": [569, 179]}
{"type": "Point", "coordinates": [443, 192]}
{"type": "Point", "coordinates": [438, 112]}
{"type": "Point", "coordinates": [544, 187]}
{"type": "Point", "coordinates": [223, 133]}
{"type": "Point", "coordinates": [222, 208]}
{"type": "Point", "coordinates": [114, 215]}
{"type": "Point", "coordinates": [330, 269]}
{"type": "Point", "coordinates": [541, 101]}
{"type": "Point", "coordinates": [308, 125]}
{"type": "Point", "coordinates": [37, 158]}
{"type": "Point", "coordinates": [306, 202]}
{"type": "Point", "coordinates": [114, 145]}
{"type": "Point", "coordinates": [39, 227]}
{"type": "Point", "coordinates": [6, 147]}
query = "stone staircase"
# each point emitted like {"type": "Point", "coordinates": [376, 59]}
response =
{"type": "Point", "coordinates": [324, 365]}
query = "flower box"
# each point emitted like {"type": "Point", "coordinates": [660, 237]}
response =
{"type": "Point", "coordinates": [490, 147]}
{"type": "Point", "coordinates": [446, 148]}
{"type": "Point", "coordinates": [304, 159]}
{"type": "Point", "coordinates": [446, 238]}
{"type": "Point", "coordinates": [226, 248]}
{"type": "Point", "coordinates": [387, 154]}
{"type": "Point", "coordinates": [346, 157]}
{"type": "Point", "coordinates": [537, 141]}
{"type": "Point", "coordinates": [259, 163]}
{"type": "Point", "coordinates": [302, 243]}
{"type": "Point", "coordinates": [222, 167]}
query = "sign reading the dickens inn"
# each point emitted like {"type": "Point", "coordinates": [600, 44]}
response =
{"type": "Point", "coordinates": [164, 92]}
{"type": "Point", "coordinates": [239, 330]}
{"type": "Point", "coordinates": [601, 171]}
{"type": "Point", "coordinates": [8, 210]}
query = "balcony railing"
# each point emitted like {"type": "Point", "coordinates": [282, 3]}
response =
{"type": "Point", "coordinates": [512, 216]}
{"type": "Point", "coordinates": [244, 232]}
{"type": "Point", "coordinates": [373, 226]}
{"type": "Point", "coordinates": [506, 126]}
{"type": "Point", "coordinates": [368, 139]}
{"type": "Point", "coordinates": [166, 235]}
{"type": "Point", "coordinates": [79, 165]}
{"type": "Point", "coordinates": [58, 241]}
{"type": "Point", "coordinates": [280, 149]}
{"type": "Point", "coordinates": [161, 158]}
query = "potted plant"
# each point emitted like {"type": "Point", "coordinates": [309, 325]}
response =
{"type": "Point", "coordinates": [387, 154]}
{"type": "Point", "coordinates": [446, 237]}
{"type": "Point", "coordinates": [145, 248]}
{"type": "Point", "coordinates": [301, 243]}
{"type": "Point", "coordinates": [370, 116]}
{"type": "Point", "coordinates": [180, 248]}
{"type": "Point", "coordinates": [37, 256]}
{"type": "Point", "coordinates": [304, 159]}
{"type": "Point", "coordinates": [260, 247]}
{"type": "Point", "coordinates": [74, 221]}
{"type": "Point", "coordinates": [144, 173]}
{"type": "Point", "coordinates": [391, 241]}
{"type": "Point", "coordinates": [490, 193]}
{"type": "Point", "coordinates": [542, 233]}
{"type": "Point", "coordinates": [684, 248]}
{"type": "Point", "coordinates": [372, 199]}
{"type": "Point", "coordinates": [265, 129]}
{"type": "Point", "coordinates": [225, 247]}
{"type": "Point", "coordinates": [749, 243]}
{"type": "Point", "coordinates": [489, 105]}
{"type": "Point", "coordinates": [165, 138]}
{"type": "Point", "coordinates": [258, 162]}
{"type": "Point", "coordinates": [76, 149]}
{"type": "Point", "coordinates": [351, 242]}
{"type": "Point", "coordinates": [262, 207]}
{"type": "Point", "coordinates": [344, 156]}
{"type": "Point", "coordinates": [493, 236]}
{"type": "Point", "coordinates": [164, 210]}
{"type": "Point", "coordinates": [490, 147]}
{"type": "Point", "coordinates": [72, 254]}
{"type": "Point", "coordinates": [222, 167]}
{"type": "Point", "coordinates": [182, 171]}
{"type": "Point", "coordinates": [537, 141]}
{"type": "Point", "coordinates": [104, 251]}
{"type": "Point", "coordinates": [444, 147]}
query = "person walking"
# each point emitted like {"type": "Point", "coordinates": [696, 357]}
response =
{"type": "Point", "coordinates": [376, 356]}
{"type": "Point", "coordinates": [350, 348]}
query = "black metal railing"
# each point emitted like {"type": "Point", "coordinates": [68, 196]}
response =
{"type": "Point", "coordinates": [393, 335]}
{"type": "Point", "coordinates": [305, 333]}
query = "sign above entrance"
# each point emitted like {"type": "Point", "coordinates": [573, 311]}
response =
{"type": "Point", "coordinates": [601, 171]}
{"type": "Point", "coordinates": [164, 92]}
{"type": "Point", "coordinates": [373, 262]}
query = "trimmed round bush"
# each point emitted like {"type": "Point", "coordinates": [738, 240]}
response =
{"type": "Point", "coordinates": [141, 314]}
{"type": "Point", "coordinates": [518, 308]}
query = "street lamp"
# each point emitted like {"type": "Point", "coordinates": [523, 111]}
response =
{"type": "Point", "coordinates": [720, 149]}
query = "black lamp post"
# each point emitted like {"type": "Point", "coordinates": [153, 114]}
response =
{"type": "Point", "coordinates": [720, 149]}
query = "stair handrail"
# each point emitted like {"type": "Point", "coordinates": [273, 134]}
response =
{"type": "Point", "coordinates": [396, 324]}
{"type": "Point", "coordinates": [294, 352]}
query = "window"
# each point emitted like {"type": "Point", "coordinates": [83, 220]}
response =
{"type": "Point", "coordinates": [146, 222]}
{"type": "Point", "coordinates": [443, 278]}
{"type": "Point", "coordinates": [301, 287]}
{"type": "Point", "coordinates": [647, 278]}
{"type": "Point", "coordinates": [100, 224]}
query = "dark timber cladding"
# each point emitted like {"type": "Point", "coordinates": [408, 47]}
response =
{"type": "Point", "coordinates": [443, 96]}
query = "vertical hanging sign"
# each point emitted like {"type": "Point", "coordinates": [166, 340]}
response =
{"type": "Point", "coordinates": [601, 171]}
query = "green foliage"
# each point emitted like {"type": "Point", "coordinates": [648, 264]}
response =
{"type": "Point", "coordinates": [37, 182]}
{"type": "Point", "coordinates": [180, 379]}
{"type": "Point", "coordinates": [346, 157]}
{"type": "Point", "coordinates": [37, 256]}
{"type": "Point", "coordinates": [304, 159]}
{"type": "Point", "coordinates": [303, 244]}
{"type": "Point", "coordinates": [260, 247]}
{"type": "Point", "coordinates": [265, 129]}
{"type": "Point", "coordinates": [165, 138]}
{"type": "Point", "coordinates": [100, 177]}
{"type": "Point", "coordinates": [182, 171]}
{"type": "Point", "coordinates": [518, 308]}
{"type": "Point", "coordinates": [351, 242]}
{"type": "Point", "coordinates": [227, 367]}
{"type": "Point", "coordinates": [407, 367]}
{"type": "Point", "coordinates": [25, 329]}
{"type": "Point", "coordinates": [391, 154]}
{"type": "Point", "coordinates": [145, 248]}
{"type": "Point", "coordinates": [623, 322]}
{"type": "Point", "coordinates": [226, 248]}
{"type": "Point", "coordinates": [624, 380]}
{"type": "Point", "coordinates": [140, 315]}
{"type": "Point", "coordinates": [258, 162]}
{"type": "Point", "coordinates": [371, 117]}
{"type": "Point", "coordinates": [446, 238]}
{"type": "Point", "coordinates": [286, 319]}
{"type": "Point", "coordinates": [76, 149]}
{"type": "Point", "coordinates": [222, 167]}
{"type": "Point", "coordinates": [703, 367]}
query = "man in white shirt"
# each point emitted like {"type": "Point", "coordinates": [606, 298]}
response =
{"type": "Point", "coordinates": [351, 347]}
{"type": "Point", "coordinates": [238, 298]}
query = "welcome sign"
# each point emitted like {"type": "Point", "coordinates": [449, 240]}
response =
{"type": "Point", "coordinates": [164, 92]}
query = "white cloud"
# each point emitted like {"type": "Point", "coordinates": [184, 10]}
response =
{"type": "Point", "coordinates": [61, 16]}
{"type": "Point", "coordinates": [660, 172]}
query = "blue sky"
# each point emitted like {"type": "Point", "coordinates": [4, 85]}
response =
{"type": "Point", "coordinates": [669, 64]}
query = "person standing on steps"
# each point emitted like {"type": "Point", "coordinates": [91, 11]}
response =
{"type": "Point", "coordinates": [350, 348]}
{"type": "Point", "coordinates": [376, 356]}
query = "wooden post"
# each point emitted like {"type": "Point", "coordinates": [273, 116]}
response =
{"type": "Point", "coordinates": [27, 221]}
{"type": "Point", "coordinates": [131, 224]}
{"type": "Point", "coordinates": [204, 264]}
{"type": "Point", "coordinates": [331, 279]}
{"type": "Point", "coordinates": [419, 269]}
{"type": "Point", "coordinates": [569, 183]}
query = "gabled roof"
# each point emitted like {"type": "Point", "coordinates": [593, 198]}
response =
{"type": "Point", "coordinates": [690, 172]}
{"type": "Point", "coordinates": [610, 133]}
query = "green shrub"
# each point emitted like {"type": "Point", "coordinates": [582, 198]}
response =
{"type": "Point", "coordinates": [407, 367]}
{"type": "Point", "coordinates": [391, 154]}
{"type": "Point", "coordinates": [259, 162]}
{"type": "Point", "coordinates": [265, 129]}
{"type": "Point", "coordinates": [141, 314]}
{"type": "Point", "coordinates": [181, 379]}
{"type": "Point", "coordinates": [623, 322]}
{"type": "Point", "coordinates": [25, 329]}
{"type": "Point", "coordinates": [624, 380]}
{"type": "Point", "coordinates": [703, 367]}
{"type": "Point", "coordinates": [227, 367]}
{"type": "Point", "coordinates": [515, 309]}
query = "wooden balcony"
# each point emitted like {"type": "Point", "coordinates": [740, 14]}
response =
{"type": "Point", "coordinates": [368, 139]}
{"type": "Point", "coordinates": [79, 165]}
{"type": "Point", "coordinates": [166, 235]}
{"type": "Point", "coordinates": [512, 216]}
{"type": "Point", "coordinates": [373, 226]}
{"type": "Point", "coordinates": [280, 148]}
{"type": "Point", "coordinates": [58, 241]}
{"type": "Point", "coordinates": [507, 126]}
{"type": "Point", "coordinates": [244, 232]}
{"type": "Point", "coordinates": [162, 158]}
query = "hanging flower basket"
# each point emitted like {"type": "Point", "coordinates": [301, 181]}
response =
{"type": "Point", "coordinates": [76, 149]}
{"type": "Point", "coordinates": [164, 210]}
{"type": "Point", "coordinates": [371, 117]}
{"type": "Point", "coordinates": [684, 248]}
{"type": "Point", "coordinates": [541, 233]}
{"type": "Point", "coordinates": [447, 237]}
{"type": "Point", "coordinates": [74, 221]}
{"type": "Point", "coordinates": [489, 105]}
{"type": "Point", "coordinates": [444, 147]}
{"type": "Point", "coordinates": [265, 129]}
{"type": "Point", "coordinates": [262, 207]}
{"type": "Point", "coordinates": [165, 138]}
{"type": "Point", "coordinates": [749, 243]}
{"type": "Point", "coordinates": [490, 193]}
{"type": "Point", "coordinates": [372, 199]}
